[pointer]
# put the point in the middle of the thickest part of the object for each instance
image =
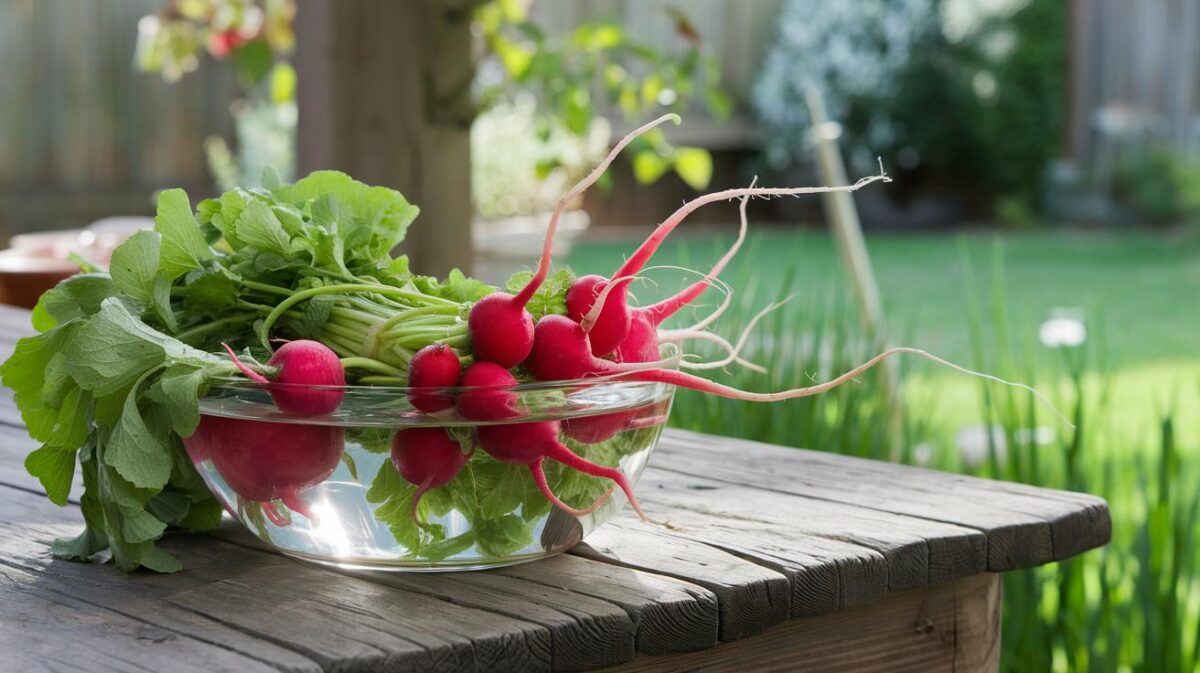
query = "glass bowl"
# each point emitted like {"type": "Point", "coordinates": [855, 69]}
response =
{"type": "Point", "coordinates": [326, 489]}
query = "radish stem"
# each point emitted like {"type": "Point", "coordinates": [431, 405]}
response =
{"type": "Point", "coordinates": [522, 298]}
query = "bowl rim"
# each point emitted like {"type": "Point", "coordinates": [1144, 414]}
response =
{"type": "Point", "coordinates": [237, 383]}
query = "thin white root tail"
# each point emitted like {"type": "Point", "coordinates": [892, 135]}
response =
{"type": "Point", "coordinates": [734, 354]}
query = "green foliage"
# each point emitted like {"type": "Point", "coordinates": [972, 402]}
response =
{"type": "Point", "coordinates": [1129, 606]}
{"type": "Point", "coordinates": [255, 35]}
{"type": "Point", "coordinates": [637, 79]}
{"type": "Point", "coordinates": [975, 107]}
{"type": "Point", "coordinates": [1160, 186]}
{"type": "Point", "coordinates": [550, 298]}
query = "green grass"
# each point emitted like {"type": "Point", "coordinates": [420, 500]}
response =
{"type": "Point", "coordinates": [1139, 294]}
{"type": "Point", "coordinates": [1149, 283]}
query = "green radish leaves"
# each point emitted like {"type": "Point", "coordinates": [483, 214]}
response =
{"type": "Point", "coordinates": [550, 298]}
{"type": "Point", "coordinates": [108, 391]}
{"type": "Point", "coordinates": [183, 246]}
{"type": "Point", "coordinates": [114, 377]}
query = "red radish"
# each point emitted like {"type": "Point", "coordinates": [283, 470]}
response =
{"type": "Point", "coordinates": [602, 427]}
{"type": "Point", "coordinates": [641, 341]}
{"type": "Point", "coordinates": [486, 394]}
{"type": "Point", "coordinates": [611, 326]}
{"type": "Point", "coordinates": [263, 461]}
{"type": "Point", "coordinates": [530, 444]}
{"type": "Point", "coordinates": [434, 366]}
{"type": "Point", "coordinates": [308, 378]}
{"type": "Point", "coordinates": [596, 313]}
{"type": "Point", "coordinates": [427, 458]}
{"type": "Point", "coordinates": [562, 351]}
{"type": "Point", "coordinates": [501, 329]}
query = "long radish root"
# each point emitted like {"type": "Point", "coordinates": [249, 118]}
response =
{"type": "Point", "coordinates": [693, 382]}
{"type": "Point", "coordinates": [539, 478]}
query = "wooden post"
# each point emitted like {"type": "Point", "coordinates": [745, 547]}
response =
{"type": "Point", "coordinates": [383, 94]}
{"type": "Point", "coordinates": [847, 231]}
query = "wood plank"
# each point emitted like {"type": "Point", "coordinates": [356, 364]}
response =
{"type": "Point", "coordinates": [671, 615]}
{"type": "Point", "coordinates": [918, 551]}
{"type": "Point", "coordinates": [948, 627]}
{"type": "Point", "coordinates": [751, 597]}
{"type": "Point", "coordinates": [44, 628]}
{"type": "Point", "coordinates": [332, 619]}
{"type": "Point", "coordinates": [585, 632]}
{"type": "Point", "coordinates": [622, 607]}
{"type": "Point", "coordinates": [1025, 525]}
{"type": "Point", "coordinates": [825, 575]}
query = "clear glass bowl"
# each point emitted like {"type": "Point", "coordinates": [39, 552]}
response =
{"type": "Point", "coordinates": [325, 488]}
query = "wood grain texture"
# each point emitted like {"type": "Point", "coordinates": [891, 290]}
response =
{"type": "Point", "coordinates": [751, 597]}
{"type": "Point", "coordinates": [950, 627]}
{"type": "Point", "coordinates": [1024, 525]}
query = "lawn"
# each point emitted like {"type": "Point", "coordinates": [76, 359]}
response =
{"type": "Point", "coordinates": [1138, 293]}
{"type": "Point", "coordinates": [1130, 607]}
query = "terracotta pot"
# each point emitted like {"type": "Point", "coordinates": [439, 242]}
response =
{"type": "Point", "coordinates": [24, 277]}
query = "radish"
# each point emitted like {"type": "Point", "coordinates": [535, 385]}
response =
{"type": "Point", "coordinates": [264, 461]}
{"type": "Point", "coordinates": [308, 378]}
{"type": "Point", "coordinates": [603, 427]}
{"type": "Point", "coordinates": [486, 395]}
{"type": "Point", "coordinates": [641, 342]}
{"type": "Point", "coordinates": [434, 366]}
{"type": "Point", "coordinates": [614, 313]}
{"type": "Point", "coordinates": [530, 444]}
{"type": "Point", "coordinates": [427, 458]}
{"type": "Point", "coordinates": [500, 328]}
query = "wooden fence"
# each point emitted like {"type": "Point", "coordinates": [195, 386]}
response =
{"type": "Point", "coordinates": [82, 133]}
{"type": "Point", "coordinates": [1134, 76]}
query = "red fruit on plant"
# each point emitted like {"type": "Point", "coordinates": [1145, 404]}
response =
{"type": "Point", "coordinates": [222, 43]}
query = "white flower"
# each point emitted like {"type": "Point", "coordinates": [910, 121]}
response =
{"type": "Point", "coordinates": [1063, 330]}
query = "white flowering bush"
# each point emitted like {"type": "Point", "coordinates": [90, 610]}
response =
{"type": "Point", "coordinates": [961, 97]}
{"type": "Point", "coordinates": [850, 51]}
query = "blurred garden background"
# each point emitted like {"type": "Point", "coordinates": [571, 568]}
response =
{"type": "Point", "coordinates": [1043, 223]}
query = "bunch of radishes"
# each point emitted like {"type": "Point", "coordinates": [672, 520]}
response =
{"type": "Point", "coordinates": [600, 336]}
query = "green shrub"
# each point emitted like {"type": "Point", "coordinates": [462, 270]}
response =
{"type": "Point", "coordinates": [1159, 185]}
{"type": "Point", "coordinates": [965, 97]}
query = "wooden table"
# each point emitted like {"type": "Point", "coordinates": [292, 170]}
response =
{"type": "Point", "coordinates": [780, 560]}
